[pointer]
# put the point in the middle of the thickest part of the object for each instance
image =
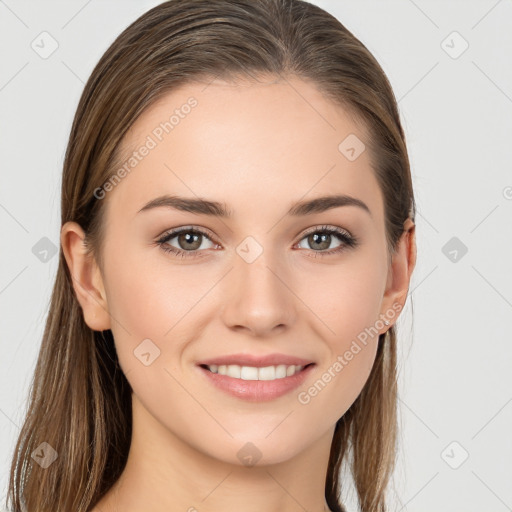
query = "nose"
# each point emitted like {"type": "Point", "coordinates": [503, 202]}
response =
{"type": "Point", "coordinates": [258, 297]}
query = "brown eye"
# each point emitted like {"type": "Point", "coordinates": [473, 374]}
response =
{"type": "Point", "coordinates": [321, 239]}
{"type": "Point", "coordinates": [321, 242]}
{"type": "Point", "coordinates": [188, 240]}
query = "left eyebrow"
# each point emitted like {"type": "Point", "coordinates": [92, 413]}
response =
{"type": "Point", "coordinates": [218, 209]}
{"type": "Point", "coordinates": [322, 204]}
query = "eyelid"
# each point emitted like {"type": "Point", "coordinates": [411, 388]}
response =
{"type": "Point", "coordinates": [325, 227]}
{"type": "Point", "coordinates": [187, 228]}
{"type": "Point", "coordinates": [208, 233]}
{"type": "Point", "coordinates": [348, 240]}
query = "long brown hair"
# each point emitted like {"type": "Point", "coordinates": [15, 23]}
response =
{"type": "Point", "coordinates": [80, 400]}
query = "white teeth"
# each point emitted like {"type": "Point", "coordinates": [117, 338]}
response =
{"type": "Point", "coordinates": [249, 373]}
{"type": "Point", "coordinates": [280, 371]}
{"type": "Point", "coordinates": [268, 373]}
{"type": "Point", "coordinates": [252, 373]}
{"type": "Point", "coordinates": [233, 370]}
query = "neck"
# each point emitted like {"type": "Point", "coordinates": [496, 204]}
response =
{"type": "Point", "coordinates": [165, 474]}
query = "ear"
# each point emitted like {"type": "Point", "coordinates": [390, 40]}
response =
{"type": "Point", "coordinates": [399, 273]}
{"type": "Point", "coordinates": [86, 276]}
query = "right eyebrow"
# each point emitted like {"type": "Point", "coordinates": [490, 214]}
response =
{"type": "Point", "coordinates": [189, 204]}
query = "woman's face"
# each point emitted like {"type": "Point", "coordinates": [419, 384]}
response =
{"type": "Point", "coordinates": [256, 282]}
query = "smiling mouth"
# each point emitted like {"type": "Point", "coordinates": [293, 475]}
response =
{"type": "Point", "coordinates": [266, 373]}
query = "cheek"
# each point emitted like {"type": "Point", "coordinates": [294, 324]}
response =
{"type": "Point", "coordinates": [148, 298]}
{"type": "Point", "coordinates": [346, 298]}
{"type": "Point", "coordinates": [347, 301]}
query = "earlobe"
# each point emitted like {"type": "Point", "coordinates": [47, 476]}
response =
{"type": "Point", "coordinates": [86, 277]}
{"type": "Point", "coordinates": [400, 271]}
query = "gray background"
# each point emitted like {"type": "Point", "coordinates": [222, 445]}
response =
{"type": "Point", "coordinates": [456, 107]}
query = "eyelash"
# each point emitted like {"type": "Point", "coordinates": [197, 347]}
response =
{"type": "Point", "coordinates": [348, 241]}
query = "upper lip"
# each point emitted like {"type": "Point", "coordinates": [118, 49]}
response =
{"type": "Point", "coordinates": [256, 361]}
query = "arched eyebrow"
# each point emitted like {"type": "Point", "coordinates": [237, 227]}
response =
{"type": "Point", "coordinates": [217, 209]}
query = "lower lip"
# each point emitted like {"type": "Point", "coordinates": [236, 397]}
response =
{"type": "Point", "coordinates": [257, 390]}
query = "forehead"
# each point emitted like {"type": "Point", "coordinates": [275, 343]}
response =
{"type": "Point", "coordinates": [245, 143]}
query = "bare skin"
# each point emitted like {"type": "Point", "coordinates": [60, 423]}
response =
{"type": "Point", "coordinates": [258, 148]}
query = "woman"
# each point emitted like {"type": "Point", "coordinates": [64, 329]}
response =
{"type": "Point", "coordinates": [237, 244]}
